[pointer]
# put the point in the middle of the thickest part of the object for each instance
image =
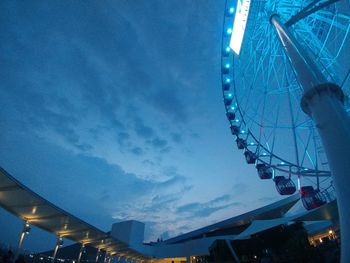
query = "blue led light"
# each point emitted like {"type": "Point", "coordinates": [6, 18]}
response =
{"type": "Point", "coordinates": [227, 49]}
{"type": "Point", "coordinates": [231, 10]}
{"type": "Point", "coordinates": [227, 80]}
{"type": "Point", "coordinates": [233, 108]}
{"type": "Point", "coordinates": [229, 95]}
{"type": "Point", "coordinates": [227, 65]}
{"type": "Point", "coordinates": [229, 31]}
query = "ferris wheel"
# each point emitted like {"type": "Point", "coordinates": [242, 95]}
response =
{"type": "Point", "coordinates": [262, 94]}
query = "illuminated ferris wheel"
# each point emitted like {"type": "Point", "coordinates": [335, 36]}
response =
{"type": "Point", "coordinates": [286, 86]}
{"type": "Point", "coordinates": [262, 94]}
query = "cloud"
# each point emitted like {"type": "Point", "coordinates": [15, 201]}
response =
{"type": "Point", "coordinates": [268, 199]}
{"type": "Point", "coordinates": [168, 101]}
{"type": "Point", "coordinates": [150, 163]}
{"type": "Point", "coordinates": [123, 138]}
{"type": "Point", "coordinates": [137, 151]}
{"type": "Point", "coordinates": [176, 137]}
{"type": "Point", "coordinates": [100, 86]}
{"type": "Point", "coordinates": [108, 192]}
{"type": "Point", "coordinates": [174, 178]}
{"type": "Point", "coordinates": [142, 130]}
{"type": "Point", "coordinates": [239, 188]}
{"type": "Point", "coordinates": [44, 115]}
{"type": "Point", "coordinates": [205, 209]}
{"type": "Point", "coordinates": [158, 143]}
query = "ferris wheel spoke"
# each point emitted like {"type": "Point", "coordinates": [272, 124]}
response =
{"type": "Point", "coordinates": [257, 46]}
{"type": "Point", "coordinates": [314, 142]}
{"type": "Point", "coordinates": [308, 10]}
{"type": "Point", "coordinates": [345, 78]}
{"type": "Point", "coordinates": [262, 121]}
{"type": "Point", "coordinates": [272, 66]}
{"type": "Point", "coordinates": [344, 38]}
{"type": "Point", "coordinates": [326, 18]}
{"type": "Point", "coordinates": [245, 104]}
{"type": "Point", "coordinates": [306, 152]}
{"type": "Point", "coordinates": [274, 129]}
{"type": "Point", "coordinates": [293, 130]}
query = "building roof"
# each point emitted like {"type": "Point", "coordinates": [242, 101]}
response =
{"type": "Point", "coordinates": [271, 211]}
{"type": "Point", "coordinates": [244, 226]}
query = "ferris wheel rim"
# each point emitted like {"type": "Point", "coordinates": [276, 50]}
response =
{"type": "Point", "coordinates": [304, 171]}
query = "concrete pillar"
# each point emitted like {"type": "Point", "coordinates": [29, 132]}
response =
{"type": "Point", "coordinates": [59, 243]}
{"type": "Point", "coordinates": [233, 252]}
{"type": "Point", "coordinates": [25, 231]}
{"type": "Point", "coordinates": [81, 252]}
{"type": "Point", "coordinates": [97, 255]}
{"type": "Point", "coordinates": [105, 257]}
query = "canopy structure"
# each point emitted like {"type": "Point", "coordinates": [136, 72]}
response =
{"type": "Point", "coordinates": [262, 225]}
{"type": "Point", "coordinates": [37, 211]}
{"type": "Point", "coordinates": [240, 222]}
{"type": "Point", "coordinates": [325, 213]}
{"type": "Point", "coordinates": [261, 219]}
{"type": "Point", "coordinates": [328, 211]}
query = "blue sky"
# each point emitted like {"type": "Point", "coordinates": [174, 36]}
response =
{"type": "Point", "coordinates": [113, 110]}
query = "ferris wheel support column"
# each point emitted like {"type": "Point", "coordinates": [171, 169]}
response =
{"type": "Point", "coordinates": [323, 102]}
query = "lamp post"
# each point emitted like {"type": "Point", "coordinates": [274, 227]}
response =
{"type": "Point", "coordinates": [25, 231]}
{"type": "Point", "coordinates": [59, 243]}
{"type": "Point", "coordinates": [97, 255]}
{"type": "Point", "coordinates": [81, 252]}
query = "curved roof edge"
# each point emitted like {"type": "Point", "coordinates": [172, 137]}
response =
{"type": "Point", "coordinates": [24, 203]}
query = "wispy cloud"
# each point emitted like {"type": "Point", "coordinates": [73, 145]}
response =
{"type": "Point", "coordinates": [205, 209]}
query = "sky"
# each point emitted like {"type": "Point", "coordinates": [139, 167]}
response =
{"type": "Point", "coordinates": [113, 110]}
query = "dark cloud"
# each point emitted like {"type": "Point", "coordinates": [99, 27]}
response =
{"type": "Point", "coordinates": [123, 138]}
{"type": "Point", "coordinates": [161, 203]}
{"type": "Point", "coordinates": [173, 180]}
{"type": "Point", "coordinates": [69, 61]}
{"type": "Point", "coordinates": [169, 102]}
{"type": "Point", "coordinates": [67, 58]}
{"type": "Point", "coordinates": [239, 188]}
{"type": "Point", "coordinates": [268, 199]}
{"type": "Point", "coordinates": [100, 180]}
{"type": "Point", "coordinates": [177, 137]}
{"type": "Point", "coordinates": [166, 150]}
{"type": "Point", "coordinates": [109, 191]}
{"type": "Point", "coordinates": [137, 151]}
{"type": "Point", "coordinates": [195, 135]}
{"type": "Point", "coordinates": [84, 147]}
{"type": "Point", "coordinates": [158, 143]}
{"type": "Point", "coordinates": [142, 130]}
{"type": "Point", "coordinates": [150, 163]}
{"type": "Point", "coordinates": [197, 209]}
{"type": "Point", "coordinates": [40, 114]}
